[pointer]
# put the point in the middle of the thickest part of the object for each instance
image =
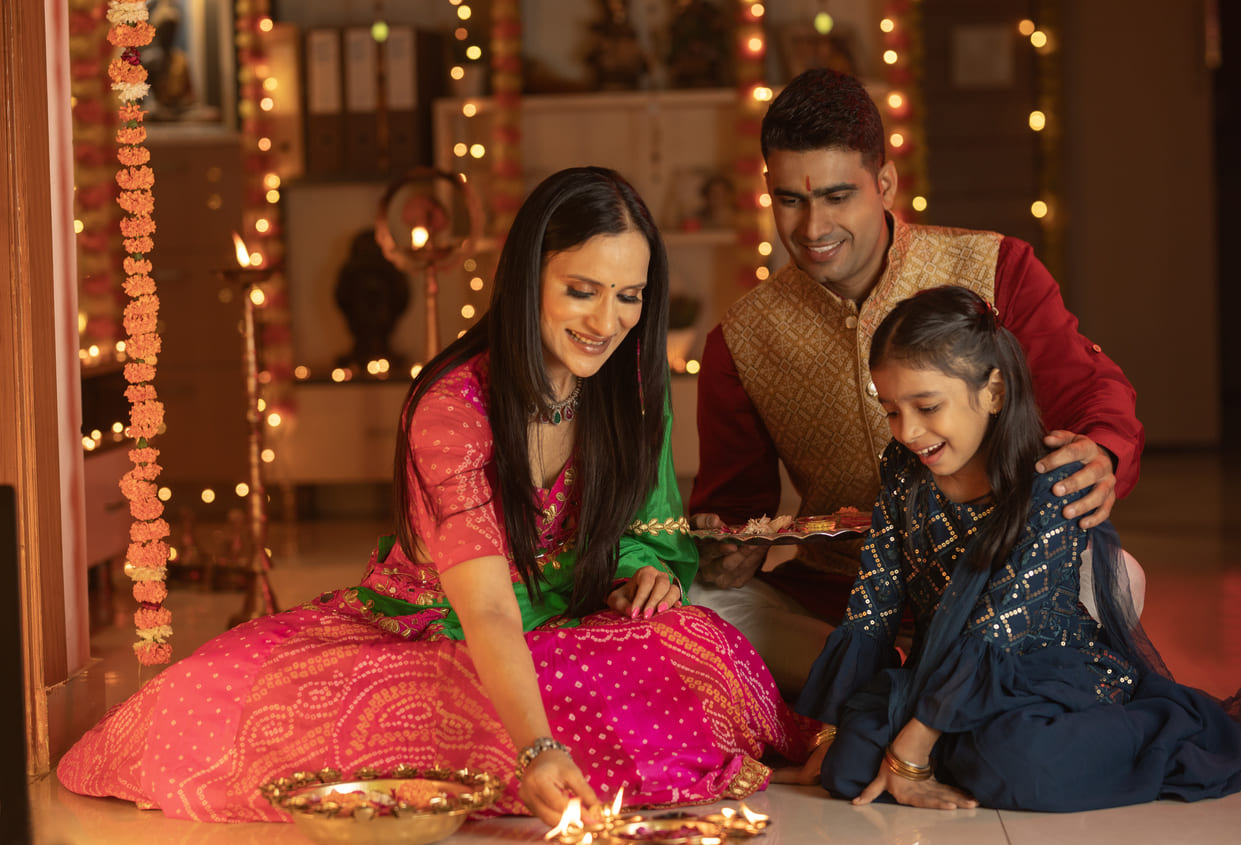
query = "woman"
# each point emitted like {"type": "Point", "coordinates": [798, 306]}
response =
{"type": "Point", "coordinates": [529, 619]}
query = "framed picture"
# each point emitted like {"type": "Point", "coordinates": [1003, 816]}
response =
{"type": "Point", "coordinates": [701, 198]}
{"type": "Point", "coordinates": [191, 64]}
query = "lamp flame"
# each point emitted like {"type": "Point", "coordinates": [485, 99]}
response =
{"type": "Point", "coordinates": [616, 805]}
{"type": "Point", "coordinates": [243, 254]}
{"type": "Point", "coordinates": [570, 821]}
{"type": "Point", "coordinates": [753, 817]}
{"type": "Point", "coordinates": [419, 236]}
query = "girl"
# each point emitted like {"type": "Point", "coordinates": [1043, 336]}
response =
{"type": "Point", "coordinates": [1013, 697]}
{"type": "Point", "coordinates": [529, 619]}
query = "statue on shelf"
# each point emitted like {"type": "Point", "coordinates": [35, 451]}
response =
{"type": "Point", "coordinates": [616, 57]}
{"type": "Point", "coordinates": [372, 294]}
{"type": "Point", "coordinates": [167, 63]}
{"type": "Point", "coordinates": [699, 46]}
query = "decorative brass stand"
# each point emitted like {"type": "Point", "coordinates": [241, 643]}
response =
{"type": "Point", "coordinates": [260, 599]}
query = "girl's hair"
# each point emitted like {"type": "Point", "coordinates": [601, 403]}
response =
{"type": "Point", "coordinates": [953, 330]}
{"type": "Point", "coordinates": [620, 419]}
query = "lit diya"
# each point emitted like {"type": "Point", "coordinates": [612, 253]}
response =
{"type": "Point", "coordinates": [614, 827]}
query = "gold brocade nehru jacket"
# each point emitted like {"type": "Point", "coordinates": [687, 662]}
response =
{"type": "Point", "coordinates": [801, 354]}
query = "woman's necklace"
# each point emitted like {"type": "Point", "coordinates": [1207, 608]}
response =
{"type": "Point", "coordinates": [562, 411]}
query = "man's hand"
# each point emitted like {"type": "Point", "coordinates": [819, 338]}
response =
{"type": "Point", "coordinates": [1097, 474]}
{"type": "Point", "coordinates": [725, 564]}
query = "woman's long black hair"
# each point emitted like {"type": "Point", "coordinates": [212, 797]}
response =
{"type": "Point", "coordinates": [953, 330]}
{"type": "Point", "coordinates": [620, 419]}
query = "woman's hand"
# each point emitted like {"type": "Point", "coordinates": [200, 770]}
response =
{"type": "Point", "coordinates": [648, 592]}
{"type": "Point", "coordinates": [929, 794]}
{"type": "Point", "coordinates": [549, 782]}
{"type": "Point", "coordinates": [807, 774]}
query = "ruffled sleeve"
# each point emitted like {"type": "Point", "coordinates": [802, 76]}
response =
{"type": "Point", "coordinates": [659, 535]}
{"type": "Point", "coordinates": [452, 446]}
{"type": "Point", "coordinates": [863, 644]}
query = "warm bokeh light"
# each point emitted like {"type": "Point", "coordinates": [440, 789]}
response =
{"type": "Point", "coordinates": [764, 200]}
{"type": "Point", "coordinates": [415, 370]}
{"type": "Point", "coordinates": [258, 297]}
{"type": "Point", "coordinates": [274, 419]}
{"type": "Point", "coordinates": [918, 203]}
{"type": "Point", "coordinates": [273, 197]}
{"type": "Point", "coordinates": [473, 52]}
{"type": "Point", "coordinates": [457, 72]}
{"type": "Point", "coordinates": [1039, 209]}
{"type": "Point", "coordinates": [897, 139]}
{"type": "Point", "coordinates": [467, 311]}
{"type": "Point", "coordinates": [459, 150]}
{"type": "Point", "coordinates": [270, 84]}
{"type": "Point", "coordinates": [476, 283]}
{"type": "Point", "coordinates": [469, 109]}
{"type": "Point", "coordinates": [477, 150]}
{"type": "Point", "coordinates": [757, 10]}
{"type": "Point", "coordinates": [419, 236]}
{"type": "Point", "coordinates": [340, 374]}
{"type": "Point", "coordinates": [890, 57]}
{"type": "Point", "coordinates": [464, 12]}
{"type": "Point", "coordinates": [1038, 38]}
{"type": "Point", "coordinates": [264, 145]}
{"type": "Point", "coordinates": [267, 456]}
{"type": "Point", "coordinates": [1026, 27]}
{"type": "Point", "coordinates": [242, 489]}
{"type": "Point", "coordinates": [823, 23]}
{"type": "Point", "coordinates": [762, 93]}
{"type": "Point", "coordinates": [692, 367]}
{"type": "Point", "coordinates": [764, 248]}
{"type": "Point", "coordinates": [755, 45]}
{"type": "Point", "coordinates": [271, 180]}
{"type": "Point", "coordinates": [78, 226]}
{"type": "Point", "coordinates": [762, 273]}
{"type": "Point", "coordinates": [1038, 120]}
{"type": "Point", "coordinates": [380, 31]}
{"type": "Point", "coordinates": [301, 372]}
{"type": "Point", "coordinates": [887, 24]}
{"type": "Point", "coordinates": [164, 494]}
{"type": "Point", "coordinates": [267, 104]}
{"type": "Point", "coordinates": [208, 495]}
{"type": "Point", "coordinates": [265, 25]}
{"type": "Point", "coordinates": [895, 100]}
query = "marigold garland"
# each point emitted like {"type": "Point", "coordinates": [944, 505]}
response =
{"type": "Point", "coordinates": [147, 556]}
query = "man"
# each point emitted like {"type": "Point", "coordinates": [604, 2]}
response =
{"type": "Point", "coordinates": [784, 376]}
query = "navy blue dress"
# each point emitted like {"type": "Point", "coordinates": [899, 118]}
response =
{"type": "Point", "coordinates": [1041, 707]}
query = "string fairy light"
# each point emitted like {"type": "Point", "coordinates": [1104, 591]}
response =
{"type": "Point", "coordinates": [900, 33]}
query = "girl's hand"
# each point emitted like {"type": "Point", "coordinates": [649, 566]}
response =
{"type": "Point", "coordinates": [549, 782]}
{"type": "Point", "coordinates": [929, 794]}
{"type": "Point", "coordinates": [808, 774]}
{"type": "Point", "coordinates": [648, 592]}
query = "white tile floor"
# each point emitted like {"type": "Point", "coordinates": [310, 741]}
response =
{"type": "Point", "coordinates": [1181, 523]}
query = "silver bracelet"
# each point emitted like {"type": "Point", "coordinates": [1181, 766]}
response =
{"type": "Point", "coordinates": [526, 756]}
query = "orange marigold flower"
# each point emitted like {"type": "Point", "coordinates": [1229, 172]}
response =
{"type": "Point", "coordinates": [138, 246]}
{"type": "Point", "coordinates": [140, 393]}
{"type": "Point", "coordinates": [152, 617]}
{"type": "Point", "coordinates": [131, 35]}
{"type": "Point", "coordinates": [136, 202]}
{"type": "Point", "coordinates": [137, 372]}
{"type": "Point", "coordinates": [131, 135]}
{"type": "Point", "coordinates": [133, 156]}
{"type": "Point", "coordinates": [130, 112]}
{"type": "Point", "coordinates": [138, 285]}
{"type": "Point", "coordinates": [120, 70]}
{"type": "Point", "coordinates": [144, 347]}
{"type": "Point", "coordinates": [152, 555]}
{"type": "Point", "coordinates": [156, 529]}
{"type": "Point", "coordinates": [135, 488]}
{"type": "Point", "coordinates": [136, 266]}
{"type": "Point", "coordinates": [153, 654]}
{"type": "Point", "coordinates": [147, 416]}
{"type": "Point", "coordinates": [135, 178]}
{"type": "Point", "coordinates": [137, 323]}
{"type": "Point", "coordinates": [143, 306]}
{"type": "Point", "coordinates": [137, 226]}
{"type": "Point", "coordinates": [147, 472]}
{"type": "Point", "coordinates": [151, 592]}
{"type": "Point", "coordinates": [146, 509]}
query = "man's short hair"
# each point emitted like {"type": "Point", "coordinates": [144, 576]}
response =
{"type": "Point", "coordinates": [825, 109]}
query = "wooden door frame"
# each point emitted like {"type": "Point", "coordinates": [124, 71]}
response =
{"type": "Point", "coordinates": [36, 373]}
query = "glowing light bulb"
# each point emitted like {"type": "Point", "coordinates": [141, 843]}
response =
{"type": "Point", "coordinates": [823, 23]}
